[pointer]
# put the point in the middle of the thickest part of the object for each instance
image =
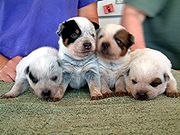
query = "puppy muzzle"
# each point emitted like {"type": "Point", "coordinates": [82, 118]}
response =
{"type": "Point", "coordinates": [87, 45]}
{"type": "Point", "coordinates": [46, 93]}
{"type": "Point", "coordinates": [141, 96]}
{"type": "Point", "coordinates": [105, 45]}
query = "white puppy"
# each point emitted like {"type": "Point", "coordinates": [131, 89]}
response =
{"type": "Point", "coordinates": [77, 52]}
{"type": "Point", "coordinates": [42, 71]}
{"type": "Point", "coordinates": [149, 75]}
{"type": "Point", "coordinates": [112, 51]}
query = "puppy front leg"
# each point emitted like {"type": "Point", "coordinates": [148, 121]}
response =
{"type": "Point", "coordinates": [18, 88]}
{"type": "Point", "coordinates": [120, 88]}
{"type": "Point", "coordinates": [171, 90]}
{"type": "Point", "coordinates": [63, 86]}
{"type": "Point", "coordinates": [93, 81]}
{"type": "Point", "coordinates": [60, 93]}
{"type": "Point", "coordinates": [106, 92]}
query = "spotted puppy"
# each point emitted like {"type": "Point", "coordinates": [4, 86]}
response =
{"type": "Point", "coordinates": [77, 52]}
{"type": "Point", "coordinates": [41, 70]}
{"type": "Point", "coordinates": [112, 51]}
{"type": "Point", "coordinates": [149, 75]}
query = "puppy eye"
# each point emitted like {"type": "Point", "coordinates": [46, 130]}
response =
{"type": "Point", "coordinates": [74, 36]}
{"type": "Point", "coordinates": [34, 79]}
{"type": "Point", "coordinates": [134, 81]}
{"type": "Point", "coordinates": [92, 35]}
{"type": "Point", "coordinates": [100, 36]}
{"type": "Point", "coordinates": [54, 78]}
{"type": "Point", "coordinates": [156, 82]}
{"type": "Point", "coordinates": [119, 42]}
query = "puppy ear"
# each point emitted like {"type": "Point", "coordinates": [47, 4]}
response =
{"type": "Point", "coordinates": [27, 70]}
{"type": "Point", "coordinates": [130, 40]}
{"type": "Point", "coordinates": [69, 31]}
{"type": "Point", "coordinates": [166, 77]}
{"type": "Point", "coordinates": [60, 29]}
{"type": "Point", "coordinates": [96, 25]}
{"type": "Point", "coordinates": [126, 38]}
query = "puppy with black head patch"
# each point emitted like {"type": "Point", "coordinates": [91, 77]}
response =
{"type": "Point", "coordinates": [149, 75]}
{"type": "Point", "coordinates": [42, 70]}
{"type": "Point", "coordinates": [112, 48]}
{"type": "Point", "coordinates": [77, 52]}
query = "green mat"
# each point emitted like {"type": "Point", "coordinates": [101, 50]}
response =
{"type": "Point", "coordinates": [77, 114]}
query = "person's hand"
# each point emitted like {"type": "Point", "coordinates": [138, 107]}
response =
{"type": "Point", "coordinates": [8, 71]}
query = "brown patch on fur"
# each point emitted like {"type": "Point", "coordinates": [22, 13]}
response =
{"type": "Point", "coordinates": [172, 94]}
{"type": "Point", "coordinates": [124, 51]}
{"type": "Point", "coordinates": [107, 94]}
{"type": "Point", "coordinates": [130, 95]}
{"type": "Point", "coordinates": [52, 99]}
{"type": "Point", "coordinates": [96, 97]}
{"type": "Point", "coordinates": [127, 40]}
{"type": "Point", "coordinates": [65, 42]}
{"type": "Point", "coordinates": [121, 93]}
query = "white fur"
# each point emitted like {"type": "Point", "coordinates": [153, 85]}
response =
{"type": "Point", "coordinates": [147, 64]}
{"type": "Point", "coordinates": [112, 65]}
{"type": "Point", "coordinates": [79, 66]}
{"type": "Point", "coordinates": [75, 49]}
{"type": "Point", "coordinates": [43, 63]}
{"type": "Point", "coordinates": [113, 69]}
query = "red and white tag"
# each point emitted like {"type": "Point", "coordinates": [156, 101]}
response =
{"type": "Point", "coordinates": [108, 8]}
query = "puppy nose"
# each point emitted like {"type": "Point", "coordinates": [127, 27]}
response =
{"type": "Point", "coordinates": [105, 45]}
{"type": "Point", "coordinates": [142, 96]}
{"type": "Point", "coordinates": [87, 45]}
{"type": "Point", "coordinates": [46, 93]}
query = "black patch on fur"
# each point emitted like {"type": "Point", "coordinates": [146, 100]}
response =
{"type": "Point", "coordinates": [69, 31]}
{"type": "Point", "coordinates": [33, 78]}
{"type": "Point", "coordinates": [27, 70]}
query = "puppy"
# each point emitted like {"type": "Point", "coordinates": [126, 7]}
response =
{"type": "Point", "coordinates": [149, 75]}
{"type": "Point", "coordinates": [113, 57]}
{"type": "Point", "coordinates": [77, 52]}
{"type": "Point", "coordinates": [41, 70]}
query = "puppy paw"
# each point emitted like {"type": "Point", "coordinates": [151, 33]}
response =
{"type": "Point", "coordinates": [55, 99]}
{"type": "Point", "coordinates": [96, 94]}
{"type": "Point", "coordinates": [96, 97]}
{"type": "Point", "coordinates": [107, 94]}
{"type": "Point", "coordinates": [6, 96]}
{"type": "Point", "coordinates": [172, 94]}
{"type": "Point", "coordinates": [121, 93]}
{"type": "Point", "coordinates": [130, 95]}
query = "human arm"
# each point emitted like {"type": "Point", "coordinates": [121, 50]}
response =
{"type": "Point", "coordinates": [133, 20]}
{"type": "Point", "coordinates": [90, 12]}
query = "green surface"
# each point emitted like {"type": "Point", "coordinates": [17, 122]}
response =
{"type": "Point", "coordinates": [77, 114]}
